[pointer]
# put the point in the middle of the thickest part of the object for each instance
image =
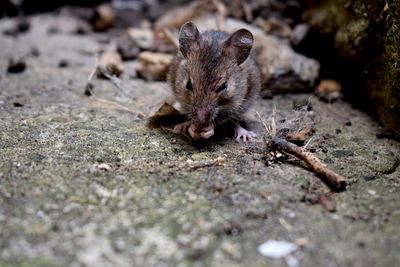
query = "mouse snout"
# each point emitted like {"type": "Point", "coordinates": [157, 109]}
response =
{"type": "Point", "coordinates": [204, 132]}
{"type": "Point", "coordinates": [202, 126]}
{"type": "Point", "coordinates": [203, 116]}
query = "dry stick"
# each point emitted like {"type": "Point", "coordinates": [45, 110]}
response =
{"type": "Point", "coordinates": [111, 103]}
{"type": "Point", "coordinates": [332, 179]}
{"type": "Point", "coordinates": [170, 37]}
{"type": "Point", "coordinates": [246, 10]}
{"type": "Point", "coordinates": [115, 81]}
{"type": "Point", "coordinates": [222, 12]}
{"type": "Point", "coordinates": [89, 89]}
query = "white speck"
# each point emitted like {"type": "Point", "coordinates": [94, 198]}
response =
{"type": "Point", "coordinates": [104, 167]}
{"type": "Point", "coordinates": [154, 143]}
{"type": "Point", "coordinates": [40, 214]}
{"type": "Point", "coordinates": [372, 192]}
{"type": "Point", "coordinates": [292, 261]}
{"type": "Point", "coordinates": [276, 249]}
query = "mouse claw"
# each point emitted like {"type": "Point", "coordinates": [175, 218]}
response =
{"type": "Point", "coordinates": [242, 133]}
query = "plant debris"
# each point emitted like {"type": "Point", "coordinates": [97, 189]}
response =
{"type": "Point", "coordinates": [165, 115]}
{"type": "Point", "coordinates": [103, 18]}
{"type": "Point", "coordinates": [127, 48]}
{"type": "Point", "coordinates": [153, 66]}
{"type": "Point", "coordinates": [276, 140]}
{"type": "Point", "coordinates": [329, 90]}
{"type": "Point", "coordinates": [110, 62]}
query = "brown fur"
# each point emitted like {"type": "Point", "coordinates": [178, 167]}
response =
{"type": "Point", "coordinates": [210, 59]}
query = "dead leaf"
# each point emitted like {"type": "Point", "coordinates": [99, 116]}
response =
{"type": "Point", "coordinates": [165, 114]}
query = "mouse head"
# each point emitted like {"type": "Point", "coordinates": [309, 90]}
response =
{"type": "Point", "coordinates": [210, 76]}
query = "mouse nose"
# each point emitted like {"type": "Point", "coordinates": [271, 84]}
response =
{"type": "Point", "coordinates": [203, 115]}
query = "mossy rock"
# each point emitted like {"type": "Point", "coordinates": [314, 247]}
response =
{"type": "Point", "coordinates": [366, 38]}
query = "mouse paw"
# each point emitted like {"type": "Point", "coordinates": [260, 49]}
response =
{"type": "Point", "coordinates": [242, 133]}
{"type": "Point", "coordinates": [181, 128]}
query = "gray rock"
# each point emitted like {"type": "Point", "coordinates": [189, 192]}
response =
{"type": "Point", "coordinates": [282, 69]}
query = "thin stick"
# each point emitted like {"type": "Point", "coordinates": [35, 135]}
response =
{"type": "Point", "coordinates": [333, 180]}
{"type": "Point", "coordinates": [246, 10]}
{"type": "Point", "coordinates": [273, 120]}
{"type": "Point", "coordinates": [94, 69]}
{"type": "Point", "coordinates": [112, 103]}
{"type": "Point", "coordinates": [308, 142]}
{"type": "Point", "coordinates": [114, 80]}
{"type": "Point", "coordinates": [170, 37]}
{"type": "Point", "coordinates": [222, 11]}
{"type": "Point", "coordinates": [262, 121]}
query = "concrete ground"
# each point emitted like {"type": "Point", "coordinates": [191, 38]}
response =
{"type": "Point", "coordinates": [85, 183]}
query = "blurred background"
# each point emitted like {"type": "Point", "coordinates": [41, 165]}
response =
{"type": "Point", "coordinates": [355, 41]}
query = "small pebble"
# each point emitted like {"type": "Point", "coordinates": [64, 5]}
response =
{"type": "Point", "coordinates": [63, 63]}
{"type": "Point", "coordinates": [16, 66]}
{"type": "Point", "coordinates": [18, 104]}
{"type": "Point", "coordinates": [368, 178]}
{"type": "Point", "coordinates": [276, 249]}
{"type": "Point", "coordinates": [104, 167]}
{"type": "Point", "coordinates": [35, 52]}
{"type": "Point", "coordinates": [21, 26]}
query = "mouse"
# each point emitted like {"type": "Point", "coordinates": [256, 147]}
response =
{"type": "Point", "coordinates": [215, 79]}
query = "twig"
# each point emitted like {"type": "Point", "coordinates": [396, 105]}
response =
{"type": "Point", "coordinates": [246, 10]}
{"type": "Point", "coordinates": [262, 121]}
{"type": "Point", "coordinates": [273, 120]}
{"type": "Point", "coordinates": [308, 142]}
{"type": "Point", "coordinates": [333, 180]}
{"type": "Point", "coordinates": [170, 37]}
{"type": "Point", "coordinates": [108, 102]}
{"type": "Point", "coordinates": [222, 12]}
{"type": "Point", "coordinates": [94, 69]}
{"type": "Point", "coordinates": [115, 81]}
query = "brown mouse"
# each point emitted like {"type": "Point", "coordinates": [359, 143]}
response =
{"type": "Point", "coordinates": [215, 80]}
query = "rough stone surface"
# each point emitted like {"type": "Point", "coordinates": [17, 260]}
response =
{"type": "Point", "coordinates": [85, 183]}
{"type": "Point", "coordinates": [153, 66]}
{"type": "Point", "coordinates": [366, 36]}
{"type": "Point", "coordinates": [282, 69]}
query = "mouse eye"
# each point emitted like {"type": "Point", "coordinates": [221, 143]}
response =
{"type": "Point", "coordinates": [221, 87]}
{"type": "Point", "coordinates": [189, 85]}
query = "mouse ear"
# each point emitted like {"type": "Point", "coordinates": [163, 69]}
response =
{"type": "Point", "coordinates": [189, 38]}
{"type": "Point", "coordinates": [238, 45]}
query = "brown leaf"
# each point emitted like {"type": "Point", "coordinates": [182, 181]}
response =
{"type": "Point", "coordinates": [166, 115]}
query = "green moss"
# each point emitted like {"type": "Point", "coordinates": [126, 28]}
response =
{"type": "Point", "coordinates": [367, 37]}
{"type": "Point", "coordinates": [350, 39]}
{"type": "Point", "coordinates": [328, 16]}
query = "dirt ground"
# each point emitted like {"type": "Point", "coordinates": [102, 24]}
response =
{"type": "Point", "coordinates": [83, 183]}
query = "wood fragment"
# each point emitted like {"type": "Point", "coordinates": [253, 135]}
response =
{"type": "Point", "coordinates": [109, 62]}
{"type": "Point", "coordinates": [327, 203]}
{"type": "Point", "coordinates": [198, 165]}
{"type": "Point", "coordinates": [335, 181]}
{"type": "Point", "coordinates": [222, 13]}
{"type": "Point", "coordinates": [171, 38]}
{"type": "Point", "coordinates": [247, 11]}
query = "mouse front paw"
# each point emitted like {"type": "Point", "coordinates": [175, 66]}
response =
{"type": "Point", "coordinates": [242, 133]}
{"type": "Point", "coordinates": [182, 128]}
